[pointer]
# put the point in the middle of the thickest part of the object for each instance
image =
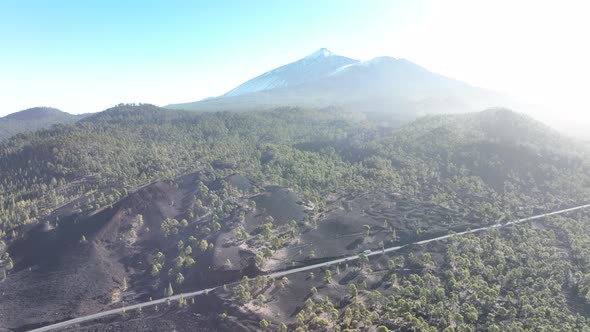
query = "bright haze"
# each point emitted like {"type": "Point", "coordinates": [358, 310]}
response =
{"type": "Point", "coordinates": [84, 57]}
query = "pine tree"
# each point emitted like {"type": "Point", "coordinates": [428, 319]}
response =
{"type": "Point", "coordinates": [264, 323]}
{"type": "Point", "coordinates": [328, 276]}
{"type": "Point", "coordinates": [313, 291]}
{"type": "Point", "coordinates": [367, 230]}
{"type": "Point", "coordinates": [353, 290]}
{"type": "Point", "coordinates": [169, 291]}
{"type": "Point", "coordinates": [282, 327]}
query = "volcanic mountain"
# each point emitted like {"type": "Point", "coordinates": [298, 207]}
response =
{"type": "Point", "coordinates": [380, 85]}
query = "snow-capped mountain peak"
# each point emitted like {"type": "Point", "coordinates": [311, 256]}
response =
{"type": "Point", "coordinates": [313, 67]}
{"type": "Point", "coordinates": [381, 84]}
{"type": "Point", "coordinates": [322, 52]}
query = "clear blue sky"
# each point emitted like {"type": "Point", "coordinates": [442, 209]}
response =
{"type": "Point", "coordinates": [84, 56]}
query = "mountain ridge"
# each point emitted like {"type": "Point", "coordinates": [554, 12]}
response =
{"type": "Point", "coordinates": [383, 84]}
{"type": "Point", "coordinates": [34, 118]}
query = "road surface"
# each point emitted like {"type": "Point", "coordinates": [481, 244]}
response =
{"type": "Point", "coordinates": [295, 270]}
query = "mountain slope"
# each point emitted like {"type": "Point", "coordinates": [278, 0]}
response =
{"type": "Point", "coordinates": [223, 195]}
{"type": "Point", "coordinates": [71, 196]}
{"type": "Point", "coordinates": [383, 84]}
{"type": "Point", "coordinates": [33, 119]}
{"type": "Point", "coordinates": [313, 67]}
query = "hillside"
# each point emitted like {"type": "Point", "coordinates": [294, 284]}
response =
{"type": "Point", "coordinates": [33, 119]}
{"type": "Point", "coordinates": [144, 200]}
{"type": "Point", "coordinates": [447, 286]}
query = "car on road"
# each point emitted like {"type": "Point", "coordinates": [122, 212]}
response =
{"type": "Point", "coordinates": [366, 252]}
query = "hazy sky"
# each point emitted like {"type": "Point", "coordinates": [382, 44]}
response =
{"type": "Point", "coordinates": [85, 56]}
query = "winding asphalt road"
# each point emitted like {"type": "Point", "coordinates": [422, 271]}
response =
{"type": "Point", "coordinates": [295, 270]}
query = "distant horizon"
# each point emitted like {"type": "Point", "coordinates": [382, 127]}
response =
{"type": "Point", "coordinates": [84, 57]}
{"type": "Point", "coordinates": [232, 87]}
{"type": "Point", "coordinates": [229, 88]}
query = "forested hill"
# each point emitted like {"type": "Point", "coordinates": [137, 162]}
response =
{"type": "Point", "coordinates": [33, 119]}
{"type": "Point", "coordinates": [508, 152]}
{"type": "Point", "coordinates": [498, 125]}
{"type": "Point", "coordinates": [477, 159]}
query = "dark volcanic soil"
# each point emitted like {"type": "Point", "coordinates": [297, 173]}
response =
{"type": "Point", "coordinates": [58, 275]}
{"type": "Point", "coordinates": [281, 204]}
